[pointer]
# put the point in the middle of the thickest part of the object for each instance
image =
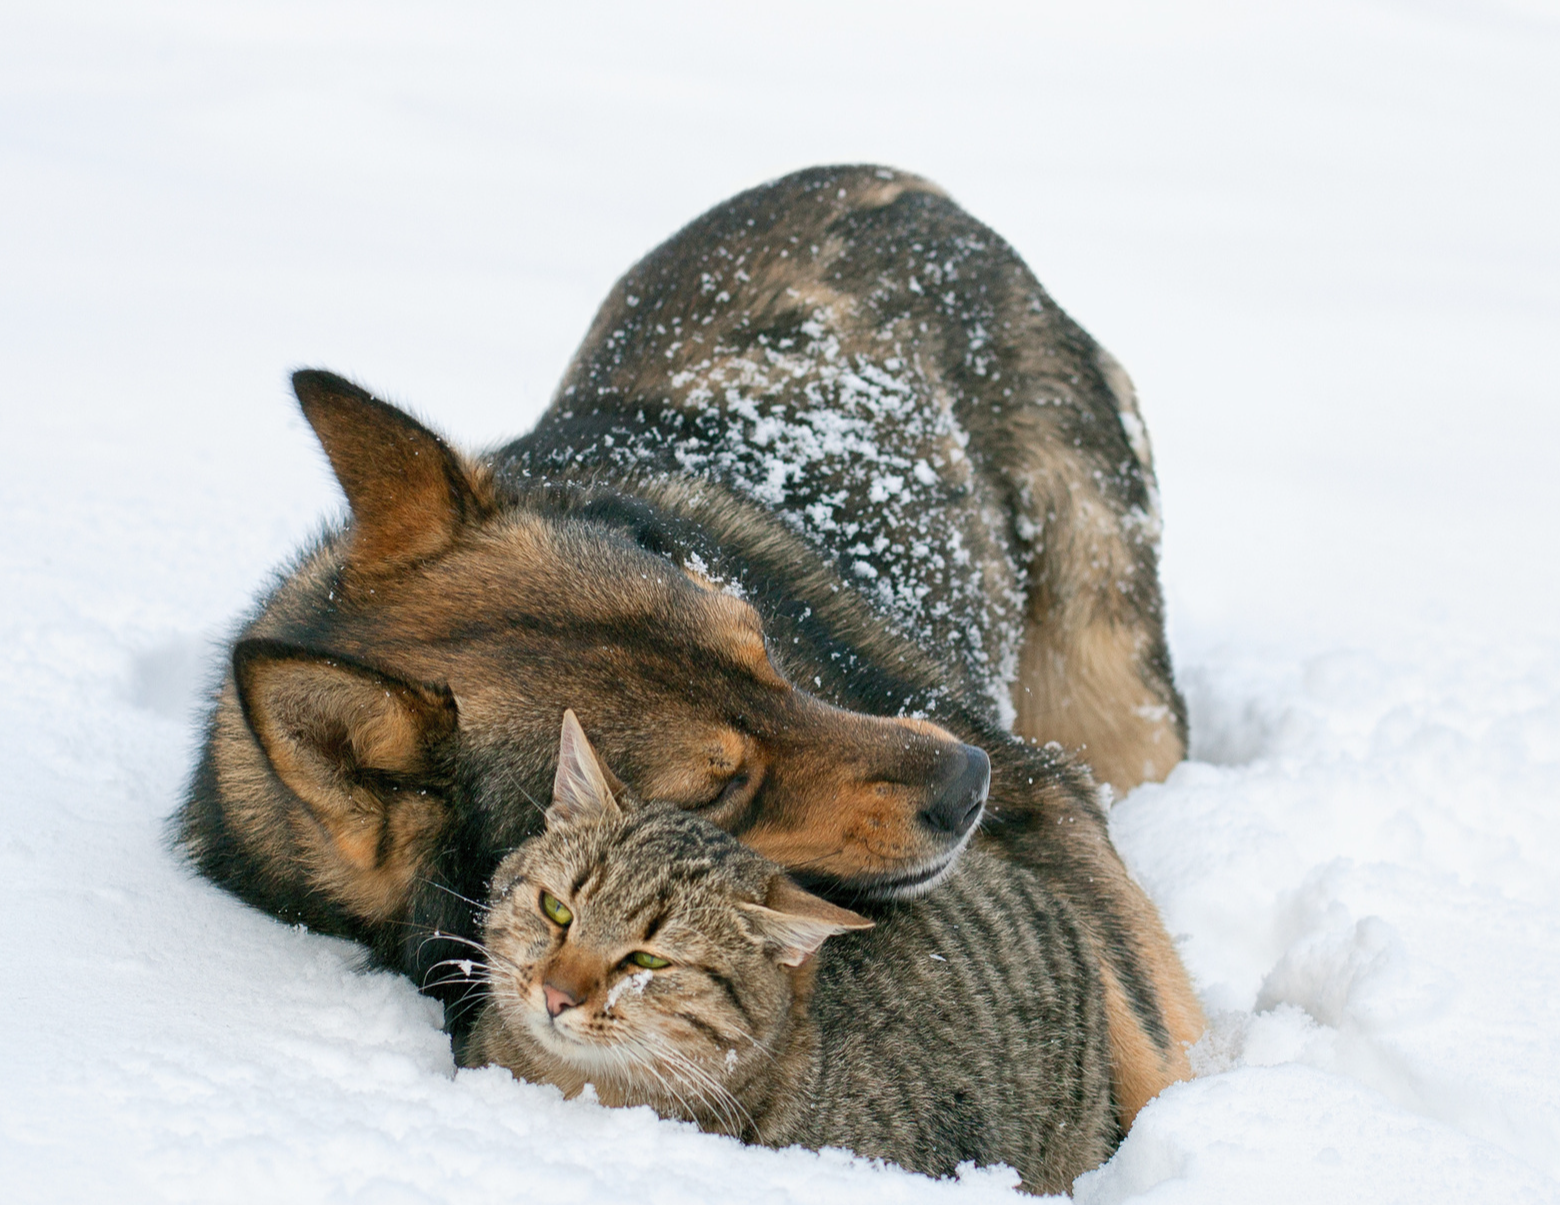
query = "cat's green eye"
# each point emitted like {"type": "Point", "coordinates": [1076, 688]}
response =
{"type": "Point", "coordinates": [649, 961]}
{"type": "Point", "coordinates": [556, 912]}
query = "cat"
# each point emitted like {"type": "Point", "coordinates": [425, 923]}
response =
{"type": "Point", "coordinates": [642, 950]}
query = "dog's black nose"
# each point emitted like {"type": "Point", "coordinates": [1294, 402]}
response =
{"type": "Point", "coordinates": [959, 793]}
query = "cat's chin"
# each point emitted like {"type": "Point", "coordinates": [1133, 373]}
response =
{"type": "Point", "coordinates": [584, 1056]}
{"type": "Point", "coordinates": [599, 1064]}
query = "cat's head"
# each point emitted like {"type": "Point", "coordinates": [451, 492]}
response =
{"type": "Point", "coordinates": [641, 945]}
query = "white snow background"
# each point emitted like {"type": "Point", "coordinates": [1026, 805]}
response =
{"type": "Point", "coordinates": [1324, 239]}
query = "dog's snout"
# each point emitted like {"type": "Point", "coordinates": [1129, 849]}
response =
{"type": "Point", "coordinates": [959, 792]}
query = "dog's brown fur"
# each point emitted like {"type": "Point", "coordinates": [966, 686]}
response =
{"type": "Point", "coordinates": [388, 731]}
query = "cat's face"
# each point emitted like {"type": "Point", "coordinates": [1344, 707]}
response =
{"type": "Point", "coordinates": [616, 941]}
{"type": "Point", "coordinates": [644, 947]}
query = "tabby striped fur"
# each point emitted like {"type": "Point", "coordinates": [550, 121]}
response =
{"type": "Point", "coordinates": [967, 1025]}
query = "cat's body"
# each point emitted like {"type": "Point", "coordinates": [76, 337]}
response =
{"type": "Point", "coordinates": [966, 1026]}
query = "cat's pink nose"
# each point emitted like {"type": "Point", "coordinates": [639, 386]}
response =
{"type": "Point", "coordinates": [558, 999]}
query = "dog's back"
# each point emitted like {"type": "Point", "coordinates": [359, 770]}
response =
{"type": "Point", "coordinates": [851, 349]}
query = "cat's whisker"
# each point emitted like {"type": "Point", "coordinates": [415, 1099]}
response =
{"type": "Point", "coordinates": [482, 909]}
{"type": "Point", "coordinates": [470, 965]}
{"type": "Point", "coordinates": [474, 988]}
{"type": "Point", "coordinates": [469, 980]}
{"type": "Point", "coordinates": [511, 776]}
{"type": "Point", "coordinates": [451, 937]}
{"type": "Point", "coordinates": [529, 798]}
{"type": "Point", "coordinates": [465, 998]}
{"type": "Point", "coordinates": [639, 1055]}
{"type": "Point", "coordinates": [658, 1071]}
{"type": "Point", "coordinates": [714, 1094]}
{"type": "Point", "coordinates": [794, 867]}
{"type": "Point", "coordinates": [758, 1047]}
{"type": "Point", "coordinates": [632, 1067]}
{"type": "Point", "coordinates": [736, 1118]}
{"type": "Point", "coordinates": [498, 958]}
{"type": "Point", "coordinates": [464, 1005]}
{"type": "Point", "coordinates": [699, 1104]}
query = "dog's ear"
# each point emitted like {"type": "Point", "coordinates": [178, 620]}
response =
{"type": "Point", "coordinates": [409, 491]}
{"type": "Point", "coordinates": [797, 922]}
{"type": "Point", "coordinates": [583, 788]}
{"type": "Point", "coordinates": [361, 749]}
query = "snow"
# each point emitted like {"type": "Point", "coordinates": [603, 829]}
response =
{"type": "Point", "coordinates": [793, 417]}
{"type": "Point", "coordinates": [634, 983]}
{"type": "Point", "coordinates": [1320, 237]}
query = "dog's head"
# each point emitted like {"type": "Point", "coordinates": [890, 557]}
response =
{"type": "Point", "coordinates": [416, 670]}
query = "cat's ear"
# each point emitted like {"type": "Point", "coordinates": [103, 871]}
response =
{"type": "Point", "coordinates": [797, 921]}
{"type": "Point", "coordinates": [583, 788]}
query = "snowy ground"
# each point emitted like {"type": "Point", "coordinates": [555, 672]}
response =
{"type": "Point", "coordinates": [1322, 239]}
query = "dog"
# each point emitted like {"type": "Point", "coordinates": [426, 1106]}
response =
{"type": "Point", "coordinates": [838, 531]}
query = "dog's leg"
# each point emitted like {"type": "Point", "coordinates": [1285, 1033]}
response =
{"type": "Point", "coordinates": [1096, 682]}
{"type": "Point", "coordinates": [1094, 669]}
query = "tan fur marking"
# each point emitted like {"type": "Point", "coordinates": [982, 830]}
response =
{"type": "Point", "coordinates": [1087, 677]}
{"type": "Point", "coordinates": [849, 833]}
{"type": "Point", "coordinates": [319, 722]}
{"type": "Point", "coordinates": [699, 580]}
{"type": "Point", "coordinates": [1081, 688]}
{"type": "Point", "coordinates": [723, 752]}
{"type": "Point", "coordinates": [409, 491]}
{"type": "Point", "coordinates": [739, 631]}
{"type": "Point", "coordinates": [879, 192]}
{"type": "Point", "coordinates": [1140, 1071]}
{"type": "Point", "coordinates": [1137, 1069]}
{"type": "Point", "coordinates": [348, 865]}
{"type": "Point", "coordinates": [924, 727]}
